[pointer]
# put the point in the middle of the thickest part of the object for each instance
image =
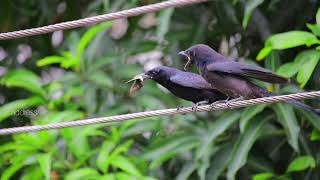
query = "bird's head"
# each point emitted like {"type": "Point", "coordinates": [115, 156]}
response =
{"type": "Point", "coordinates": [197, 53]}
{"type": "Point", "coordinates": [158, 73]}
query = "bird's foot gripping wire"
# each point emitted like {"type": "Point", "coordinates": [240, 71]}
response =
{"type": "Point", "coordinates": [179, 108]}
{"type": "Point", "coordinates": [226, 102]}
{"type": "Point", "coordinates": [195, 106]}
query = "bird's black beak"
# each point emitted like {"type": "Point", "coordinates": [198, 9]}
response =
{"type": "Point", "coordinates": [140, 77]}
{"type": "Point", "coordinates": [184, 55]}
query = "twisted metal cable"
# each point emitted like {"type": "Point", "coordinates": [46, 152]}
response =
{"type": "Point", "coordinates": [97, 19]}
{"type": "Point", "coordinates": [163, 112]}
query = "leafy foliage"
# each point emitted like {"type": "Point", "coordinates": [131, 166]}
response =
{"type": "Point", "coordinates": [80, 73]}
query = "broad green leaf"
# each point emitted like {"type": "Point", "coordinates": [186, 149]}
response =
{"type": "Point", "coordinates": [315, 135]}
{"type": "Point", "coordinates": [89, 35]}
{"type": "Point", "coordinates": [50, 60]}
{"type": "Point", "coordinates": [24, 79]}
{"type": "Point", "coordinates": [82, 173]}
{"type": "Point", "coordinates": [45, 164]}
{"type": "Point", "coordinates": [13, 107]}
{"type": "Point", "coordinates": [164, 22]}
{"type": "Point", "coordinates": [291, 39]}
{"type": "Point", "coordinates": [243, 146]}
{"type": "Point", "coordinates": [264, 52]}
{"type": "Point", "coordinates": [301, 163]}
{"type": "Point", "coordinates": [249, 7]}
{"type": "Point", "coordinates": [315, 28]}
{"type": "Point", "coordinates": [216, 129]}
{"type": "Point", "coordinates": [248, 114]}
{"type": "Point", "coordinates": [263, 176]}
{"type": "Point", "coordinates": [17, 162]}
{"type": "Point", "coordinates": [288, 70]}
{"type": "Point", "coordinates": [103, 157]}
{"type": "Point", "coordinates": [307, 68]}
{"type": "Point", "coordinates": [288, 120]}
{"type": "Point", "coordinates": [125, 176]}
{"type": "Point", "coordinates": [287, 40]}
{"type": "Point", "coordinates": [126, 165]}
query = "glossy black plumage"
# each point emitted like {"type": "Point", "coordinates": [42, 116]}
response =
{"type": "Point", "coordinates": [233, 78]}
{"type": "Point", "coordinates": [185, 85]}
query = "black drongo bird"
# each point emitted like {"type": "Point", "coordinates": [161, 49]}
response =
{"type": "Point", "coordinates": [185, 85]}
{"type": "Point", "coordinates": [230, 77]}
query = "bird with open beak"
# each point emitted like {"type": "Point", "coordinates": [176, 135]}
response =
{"type": "Point", "coordinates": [185, 85]}
{"type": "Point", "coordinates": [233, 78]}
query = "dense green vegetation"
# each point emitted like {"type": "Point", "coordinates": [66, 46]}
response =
{"type": "Point", "coordinates": [80, 74]}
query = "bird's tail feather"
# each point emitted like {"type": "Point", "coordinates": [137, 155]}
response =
{"type": "Point", "coordinates": [292, 102]}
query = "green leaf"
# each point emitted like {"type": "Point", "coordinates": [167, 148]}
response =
{"type": "Point", "coordinates": [264, 52]}
{"type": "Point", "coordinates": [216, 129]}
{"type": "Point", "coordinates": [301, 163]}
{"type": "Point", "coordinates": [13, 107]}
{"type": "Point", "coordinates": [307, 68]}
{"type": "Point", "coordinates": [315, 28]}
{"type": "Point", "coordinates": [315, 135]}
{"type": "Point", "coordinates": [291, 39]}
{"type": "Point", "coordinates": [263, 176]}
{"type": "Point", "coordinates": [318, 17]}
{"type": "Point", "coordinates": [50, 60]}
{"type": "Point", "coordinates": [313, 118]}
{"type": "Point", "coordinates": [126, 165]}
{"type": "Point", "coordinates": [164, 22]}
{"type": "Point", "coordinates": [45, 164]}
{"type": "Point", "coordinates": [243, 146]}
{"type": "Point", "coordinates": [83, 173]}
{"type": "Point", "coordinates": [17, 162]}
{"type": "Point", "coordinates": [24, 79]}
{"type": "Point", "coordinates": [288, 70]}
{"type": "Point", "coordinates": [249, 7]}
{"type": "Point", "coordinates": [103, 157]}
{"type": "Point", "coordinates": [248, 114]}
{"type": "Point", "coordinates": [288, 120]}
{"type": "Point", "coordinates": [89, 35]}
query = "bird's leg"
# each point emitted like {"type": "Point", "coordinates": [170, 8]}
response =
{"type": "Point", "coordinates": [195, 106]}
{"type": "Point", "coordinates": [218, 102]}
{"type": "Point", "coordinates": [234, 100]}
{"type": "Point", "coordinates": [180, 107]}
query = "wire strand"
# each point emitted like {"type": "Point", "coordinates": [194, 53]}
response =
{"type": "Point", "coordinates": [97, 19]}
{"type": "Point", "coordinates": [163, 112]}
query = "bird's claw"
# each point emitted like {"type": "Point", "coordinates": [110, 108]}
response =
{"type": "Point", "coordinates": [179, 108]}
{"type": "Point", "coordinates": [194, 108]}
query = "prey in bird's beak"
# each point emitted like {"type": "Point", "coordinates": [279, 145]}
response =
{"type": "Point", "coordinates": [138, 82]}
{"type": "Point", "coordinates": [140, 77]}
{"type": "Point", "coordinates": [186, 56]}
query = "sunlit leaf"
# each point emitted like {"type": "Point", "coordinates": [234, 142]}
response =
{"type": "Point", "coordinates": [263, 53]}
{"type": "Point", "coordinates": [243, 146]}
{"type": "Point", "coordinates": [49, 60]}
{"type": "Point", "coordinates": [125, 164]}
{"type": "Point", "coordinates": [315, 28]}
{"type": "Point", "coordinates": [24, 79]}
{"type": "Point", "coordinates": [301, 163]}
{"type": "Point", "coordinates": [263, 176]}
{"type": "Point", "coordinates": [45, 164]}
{"type": "Point", "coordinates": [315, 135]}
{"type": "Point", "coordinates": [318, 17]}
{"type": "Point", "coordinates": [82, 173]}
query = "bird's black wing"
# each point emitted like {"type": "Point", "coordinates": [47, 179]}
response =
{"type": "Point", "coordinates": [190, 80]}
{"type": "Point", "coordinates": [246, 70]}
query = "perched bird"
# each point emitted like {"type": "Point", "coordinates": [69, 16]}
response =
{"type": "Point", "coordinates": [232, 78]}
{"type": "Point", "coordinates": [185, 85]}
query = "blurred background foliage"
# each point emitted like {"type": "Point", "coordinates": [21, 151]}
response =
{"type": "Point", "coordinates": [80, 73]}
